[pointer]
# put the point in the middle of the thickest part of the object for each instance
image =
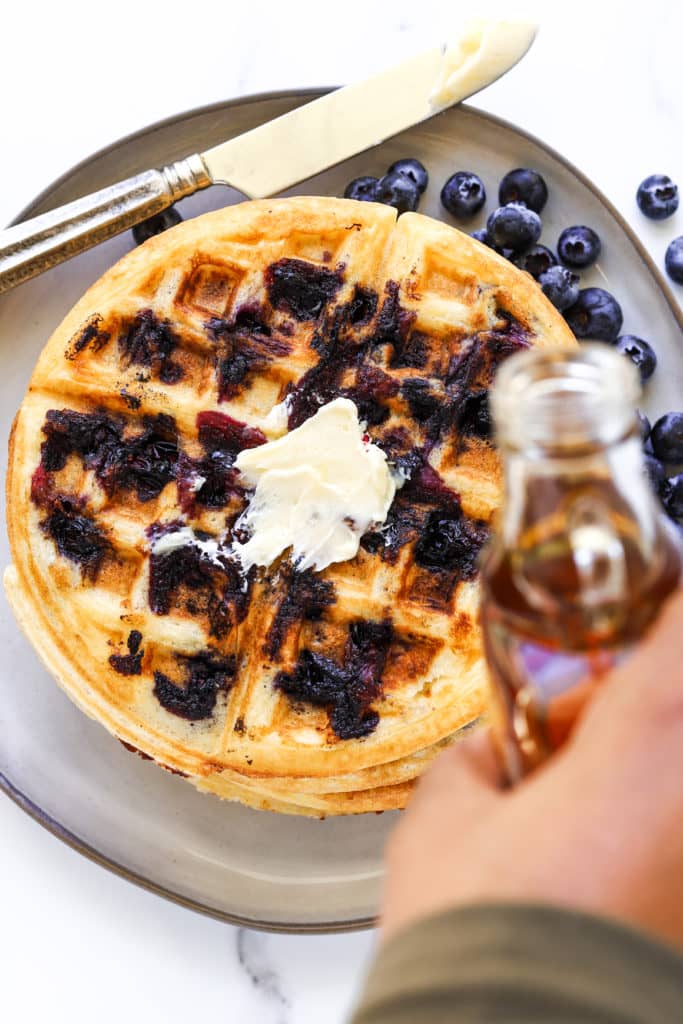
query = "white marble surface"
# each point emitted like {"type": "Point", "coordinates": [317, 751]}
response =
{"type": "Point", "coordinates": [601, 84]}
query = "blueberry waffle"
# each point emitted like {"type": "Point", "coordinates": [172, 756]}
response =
{"type": "Point", "coordinates": [305, 692]}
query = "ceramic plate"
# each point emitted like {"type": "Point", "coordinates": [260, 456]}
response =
{"type": "Point", "coordinates": [245, 866]}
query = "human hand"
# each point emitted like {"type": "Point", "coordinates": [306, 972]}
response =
{"type": "Point", "coordinates": [598, 828]}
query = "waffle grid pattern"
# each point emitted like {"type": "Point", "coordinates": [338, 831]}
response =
{"type": "Point", "coordinates": [420, 315]}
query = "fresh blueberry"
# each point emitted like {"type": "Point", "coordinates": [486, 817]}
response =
{"type": "Point", "coordinates": [514, 227]}
{"type": "Point", "coordinates": [640, 352]}
{"type": "Point", "coordinates": [644, 424]}
{"type": "Point", "coordinates": [672, 496]}
{"type": "Point", "coordinates": [561, 286]}
{"type": "Point", "coordinates": [673, 261]}
{"type": "Point", "coordinates": [155, 225]}
{"type": "Point", "coordinates": [655, 472]}
{"type": "Point", "coordinates": [399, 191]}
{"type": "Point", "coordinates": [463, 195]}
{"type": "Point", "coordinates": [667, 437]}
{"type": "Point", "coordinates": [482, 236]}
{"type": "Point", "coordinates": [363, 188]}
{"type": "Point", "coordinates": [578, 246]}
{"type": "Point", "coordinates": [536, 260]}
{"type": "Point", "coordinates": [413, 169]}
{"type": "Point", "coordinates": [523, 186]}
{"type": "Point", "coordinates": [657, 196]}
{"type": "Point", "coordinates": [595, 314]}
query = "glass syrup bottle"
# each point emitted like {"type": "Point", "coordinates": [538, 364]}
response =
{"type": "Point", "coordinates": [582, 558]}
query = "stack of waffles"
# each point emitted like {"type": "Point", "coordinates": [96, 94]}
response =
{"type": "Point", "coordinates": [309, 692]}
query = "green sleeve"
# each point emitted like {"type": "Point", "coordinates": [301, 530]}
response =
{"type": "Point", "coordinates": [522, 964]}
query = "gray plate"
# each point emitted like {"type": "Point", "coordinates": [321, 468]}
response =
{"type": "Point", "coordinates": [245, 866]}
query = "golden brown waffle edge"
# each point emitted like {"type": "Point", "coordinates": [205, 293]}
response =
{"type": "Point", "coordinates": [456, 303]}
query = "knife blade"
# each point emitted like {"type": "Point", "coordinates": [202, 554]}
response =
{"type": "Point", "coordinates": [283, 152]}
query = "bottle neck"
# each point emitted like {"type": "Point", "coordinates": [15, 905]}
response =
{"type": "Point", "coordinates": [564, 403]}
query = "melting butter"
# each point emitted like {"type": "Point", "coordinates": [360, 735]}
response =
{"type": "Point", "coordinates": [184, 536]}
{"type": "Point", "coordinates": [483, 52]}
{"type": "Point", "coordinates": [317, 490]}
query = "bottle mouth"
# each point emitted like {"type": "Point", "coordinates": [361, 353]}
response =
{"type": "Point", "coordinates": [569, 401]}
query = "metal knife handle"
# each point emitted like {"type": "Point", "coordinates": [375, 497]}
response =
{"type": "Point", "coordinates": [29, 248]}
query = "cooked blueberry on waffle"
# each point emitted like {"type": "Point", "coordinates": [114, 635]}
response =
{"type": "Point", "coordinates": [248, 488]}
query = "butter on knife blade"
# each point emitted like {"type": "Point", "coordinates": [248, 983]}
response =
{"type": "Point", "coordinates": [484, 51]}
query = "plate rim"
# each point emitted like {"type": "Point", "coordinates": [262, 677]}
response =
{"type": "Point", "coordinates": [21, 799]}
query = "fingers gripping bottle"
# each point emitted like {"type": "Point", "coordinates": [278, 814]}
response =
{"type": "Point", "coordinates": [582, 558]}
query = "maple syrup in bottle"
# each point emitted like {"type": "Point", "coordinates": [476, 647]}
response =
{"type": "Point", "coordinates": [582, 558]}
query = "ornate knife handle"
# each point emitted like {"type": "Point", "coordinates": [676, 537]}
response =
{"type": "Point", "coordinates": [29, 248]}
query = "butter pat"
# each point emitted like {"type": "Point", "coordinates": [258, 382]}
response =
{"type": "Point", "coordinates": [486, 49]}
{"type": "Point", "coordinates": [317, 490]}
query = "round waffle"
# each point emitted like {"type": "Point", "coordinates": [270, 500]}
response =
{"type": "Point", "coordinates": [315, 693]}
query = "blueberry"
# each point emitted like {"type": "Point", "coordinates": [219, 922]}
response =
{"type": "Point", "coordinates": [514, 227]}
{"type": "Point", "coordinates": [578, 246]}
{"type": "Point", "coordinates": [463, 195]}
{"type": "Point", "coordinates": [655, 472]}
{"type": "Point", "coordinates": [644, 425]}
{"type": "Point", "coordinates": [523, 186]}
{"type": "Point", "coordinates": [672, 496]}
{"type": "Point", "coordinates": [657, 196]}
{"type": "Point", "coordinates": [561, 286]}
{"type": "Point", "coordinates": [667, 437]}
{"type": "Point", "coordinates": [363, 188]}
{"type": "Point", "coordinates": [673, 261]}
{"type": "Point", "coordinates": [399, 191]}
{"type": "Point", "coordinates": [155, 225]}
{"type": "Point", "coordinates": [482, 236]}
{"type": "Point", "coordinates": [536, 260]}
{"type": "Point", "coordinates": [595, 314]}
{"type": "Point", "coordinates": [413, 169]}
{"type": "Point", "coordinates": [640, 353]}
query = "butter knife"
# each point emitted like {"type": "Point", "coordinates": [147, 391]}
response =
{"type": "Point", "coordinates": [276, 155]}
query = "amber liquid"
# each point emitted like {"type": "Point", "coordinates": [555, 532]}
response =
{"type": "Point", "coordinates": [549, 641]}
